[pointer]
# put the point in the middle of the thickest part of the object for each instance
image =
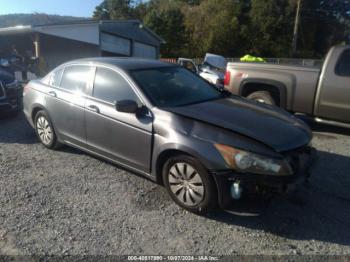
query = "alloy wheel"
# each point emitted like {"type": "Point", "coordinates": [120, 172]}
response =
{"type": "Point", "coordinates": [44, 130]}
{"type": "Point", "coordinates": [186, 184]}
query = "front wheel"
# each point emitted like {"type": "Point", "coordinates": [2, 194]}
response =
{"type": "Point", "coordinates": [189, 184]}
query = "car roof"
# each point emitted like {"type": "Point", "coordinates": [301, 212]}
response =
{"type": "Point", "coordinates": [125, 63]}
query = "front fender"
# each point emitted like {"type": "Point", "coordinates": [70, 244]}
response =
{"type": "Point", "coordinates": [203, 151]}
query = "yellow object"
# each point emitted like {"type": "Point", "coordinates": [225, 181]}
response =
{"type": "Point", "coordinates": [250, 58]}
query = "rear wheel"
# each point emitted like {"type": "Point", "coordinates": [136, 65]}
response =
{"type": "Point", "coordinates": [189, 184]}
{"type": "Point", "coordinates": [45, 131]}
{"type": "Point", "coordinates": [262, 97]}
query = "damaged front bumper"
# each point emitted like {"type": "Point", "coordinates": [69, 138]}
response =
{"type": "Point", "coordinates": [300, 160]}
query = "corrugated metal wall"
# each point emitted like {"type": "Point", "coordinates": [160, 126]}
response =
{"type": "Point", "coordinates": [115, 44]}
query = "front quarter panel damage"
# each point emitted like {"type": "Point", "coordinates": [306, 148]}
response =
{"type": "Point", "coordinates": [175, 132]}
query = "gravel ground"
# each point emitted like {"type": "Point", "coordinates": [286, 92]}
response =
{"type": "Point", "coordinates": [67, 202]}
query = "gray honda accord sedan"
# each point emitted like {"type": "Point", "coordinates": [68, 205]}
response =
{"type": "Point", "coordinates": [160, 120]}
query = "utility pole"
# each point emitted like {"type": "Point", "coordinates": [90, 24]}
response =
{"type": "Point", "coordinates": [296, 27]}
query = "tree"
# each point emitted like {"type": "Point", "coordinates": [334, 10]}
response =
{"type": "Point", "coordinates": [235, 27]}
{"type": "Point", "coordinates": [269, 30]}
{"type": "Point", "coordinates": [323, 24]}
{"type": "Point", "coordinates": [167, 20]}
{"type": "Point", "coordinates": [213, 26]}
{"type": "Point", "coordinates": [191, 2]}
{"type": "Point", "coordinates": [114, 9]}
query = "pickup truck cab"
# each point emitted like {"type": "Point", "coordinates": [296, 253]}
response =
{"type": "Point", "coordinates": [323, 93]}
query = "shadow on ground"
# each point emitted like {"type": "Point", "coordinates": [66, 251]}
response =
{"type": "Point", "coordinates": [16, 129]}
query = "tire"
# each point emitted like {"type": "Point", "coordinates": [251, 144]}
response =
{"type": "Point", "coordinates": [189, 184]}
{"type": "Point", "coordinates": [262, 97]}
{"type": "Point", "coordinates": [44, 130]}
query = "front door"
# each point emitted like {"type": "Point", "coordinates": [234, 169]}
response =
{"type": "Point", "coordinates": [123, 137]}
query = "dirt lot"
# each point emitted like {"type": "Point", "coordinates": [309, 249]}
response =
{"type": "Point", "coordinates": [67, 202]}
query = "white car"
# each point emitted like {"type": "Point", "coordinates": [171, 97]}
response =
{"type": "Point", "coordinates": [212, 69]}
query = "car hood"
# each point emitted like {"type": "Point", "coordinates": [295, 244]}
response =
{"type": "Point", "coordinates": [269, 125]}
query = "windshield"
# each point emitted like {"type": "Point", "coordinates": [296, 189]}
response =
{"type": "Point", "coordinates": [174, 86]}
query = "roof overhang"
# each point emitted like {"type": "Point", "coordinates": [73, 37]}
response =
{"type": "Point", "coordinates": [85, 30]}
{"type": "Point", "coordinates": [87, 33]}
{"type": "Point", "coordinates": [15, 30]}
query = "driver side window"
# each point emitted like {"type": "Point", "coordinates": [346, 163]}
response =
{"type": "Point", "coordinates": [110, 87]}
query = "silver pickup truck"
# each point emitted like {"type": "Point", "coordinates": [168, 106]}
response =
{"type": "Point", "coordinates": [321, 93]}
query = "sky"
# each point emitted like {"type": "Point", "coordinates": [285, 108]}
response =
{"type": "Point", "coordinates": [83, 8]}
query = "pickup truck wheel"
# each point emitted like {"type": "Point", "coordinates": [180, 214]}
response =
{"type": "Point", "coordinates": [189, 184]}
{"type": "Point", "coordinates": [45, 131]}
{"type": "Point", "coordinates": [262, 97]}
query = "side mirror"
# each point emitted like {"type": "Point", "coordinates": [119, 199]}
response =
{"type": "Point", "coordinates": [126, 106]}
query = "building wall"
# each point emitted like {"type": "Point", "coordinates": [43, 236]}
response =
{"type": "Point", "coordinates": [55, 51]}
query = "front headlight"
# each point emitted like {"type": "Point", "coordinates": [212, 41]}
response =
{"type": "Point", "coordinates": [246, 162]}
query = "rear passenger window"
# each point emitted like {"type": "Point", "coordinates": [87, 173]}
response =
{"type": "Point", "coordinates": [75, 78]}
{"type": "Point", "coordinates": [343, 65]}
{"type": "Point", "coordinates": [110, 86]}
{"type": "Point", "coordinates": [55, 78]}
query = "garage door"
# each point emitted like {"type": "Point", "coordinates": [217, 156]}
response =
{"type": "Point", "coordinates": [115, 44]}
{"type": "Point", "coordinates": [143, 50]}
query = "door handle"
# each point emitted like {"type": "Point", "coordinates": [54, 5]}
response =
{"type": "Point", "coordinates": [52, 93]}
{"type": "Point", "coordinates": [94, 108]}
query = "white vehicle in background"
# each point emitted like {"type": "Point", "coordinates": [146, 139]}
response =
{"type": "Point", "coordinates": [213, 68]}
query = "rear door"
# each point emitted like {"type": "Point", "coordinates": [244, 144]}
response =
{"type": "Point", "coordinates": [66, 100]}
{"type": "Point", "coordinates": [334, 90]}
{"type": "Point", "coordinates": [122, 137]}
